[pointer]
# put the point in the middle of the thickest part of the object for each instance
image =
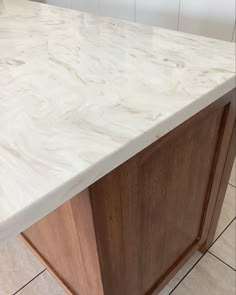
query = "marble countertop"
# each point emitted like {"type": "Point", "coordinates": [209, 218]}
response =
{"type": "Point", "coordinates": [81, 94]}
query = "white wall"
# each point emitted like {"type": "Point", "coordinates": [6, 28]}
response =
{"type": "Point", "coordinates": [234, 35]}
{"type": "Point", "coordinates": [124, 9]}
{"type": "Point", "coordinates": [86, 5]}
{"type": "Point", "coordinates": [211, 18]}
{"type": "Point", "coordinates": [161, 13]}
{"type": "Point", "coordinates": [63, 3]}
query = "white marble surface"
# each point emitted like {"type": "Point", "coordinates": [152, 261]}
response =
{"type": "Point", "coordinates": [80, 94]}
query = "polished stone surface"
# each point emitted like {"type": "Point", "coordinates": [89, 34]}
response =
{"type": "Point", "coordinates": [80, 94]}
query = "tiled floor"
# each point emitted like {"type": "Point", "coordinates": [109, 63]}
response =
{"type": "Point", "coordinates": [210, 274]}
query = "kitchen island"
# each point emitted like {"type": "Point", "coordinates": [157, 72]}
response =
{"type": "Point", "coordinates": [116, 145]}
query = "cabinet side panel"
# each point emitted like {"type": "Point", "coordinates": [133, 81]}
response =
{"type": "Point", "coordinates": [65, 239]}
{"type": "Point", "coordinates": [148, 212]}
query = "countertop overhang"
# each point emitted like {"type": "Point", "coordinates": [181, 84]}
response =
{"type": "Point", "coordinates": [80, 94]}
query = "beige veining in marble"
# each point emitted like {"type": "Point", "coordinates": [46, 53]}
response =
{"type": "Point", "coordinates": [80, 94]}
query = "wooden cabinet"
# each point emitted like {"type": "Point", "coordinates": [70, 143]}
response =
{"type": "Point", "coordinates": [123, 9]}
{"type": "Point", "coordinates": [134, 228]}
{"type": "Point", "coordinates": [159, 13]}
{"type": "Point", "coordinates": [211, 18]}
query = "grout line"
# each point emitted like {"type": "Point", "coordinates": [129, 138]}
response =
{"type": "Point", "coordinates": [222, 232]}
{"type": "Point", "coordinates": [178, 15]}
{"type": "Point", "coordinates": [187, 273]}
{"type": "Point", "coordinates": [232, 185]}
{"type": "Point", "coordinates": [221, 260]}
{"type": "Point", "coordinates": [29, 281]}
{"type": "Point", "coordinates": [202, 256]}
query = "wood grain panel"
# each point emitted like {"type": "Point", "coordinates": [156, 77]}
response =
{"type": "Point", "coordinates": [66, 240]}
{"type": "Point", "coordinates": [149, 213]}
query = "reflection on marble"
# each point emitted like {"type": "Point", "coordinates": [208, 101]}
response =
{"type": "Point", "coordinates": [225, 247]}
{"type": "Point", "coordinates": [80, 94]}
{"type": "Point", "coordinates": [209, 277]}
{"type": "Point", "coordinates": [17, 266]}
{"type": "Point", "coordinates": [228, 212]}
{"type": "Point", "coordinates": [42, 285]}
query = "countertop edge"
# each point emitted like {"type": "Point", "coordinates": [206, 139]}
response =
{"type": "Point", "coordinates": [34, 212]}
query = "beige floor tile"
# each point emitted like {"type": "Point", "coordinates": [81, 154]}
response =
{"type": "Point", "coordinates": [228, 212]}
{"type": "Point", "coordinates": [232, 179]}
{"type": "Point", "coordinates": [224, 247]}
{"type": "Point", "coordinates": [209, 277]}
{"type": "Point", "coordinates": [17, 266]}
{"type": "Point", "coordinates": [180, 274]}
{"type": "Point", "coordinates": [44, 284]}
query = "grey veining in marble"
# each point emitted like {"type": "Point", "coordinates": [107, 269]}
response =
{"type": "Point", "coordinates": [80, 94]}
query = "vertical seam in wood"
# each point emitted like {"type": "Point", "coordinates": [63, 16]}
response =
{"type": "Point", "coordinates": [122, 226]}
{"type": "Point", "coordinates": [79, 243]}
{"type": "Point", "coordinates": [214, 165]}
{"type": "Point", "coordinates": [232, 135]}
{"type": "Point", "coordinates": [91, 195]}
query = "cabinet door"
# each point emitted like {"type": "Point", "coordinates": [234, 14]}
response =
{"type": "Point", "coordinates": [86, 5]}
{"type": "Point", "coordinates": [63, 3]}
{"type": "Point", "coordinates": [162, 13]}
{"type": "Point", "coordinates": [118, 8]}
{"type": "Point", "coordinates": [211, 18]}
